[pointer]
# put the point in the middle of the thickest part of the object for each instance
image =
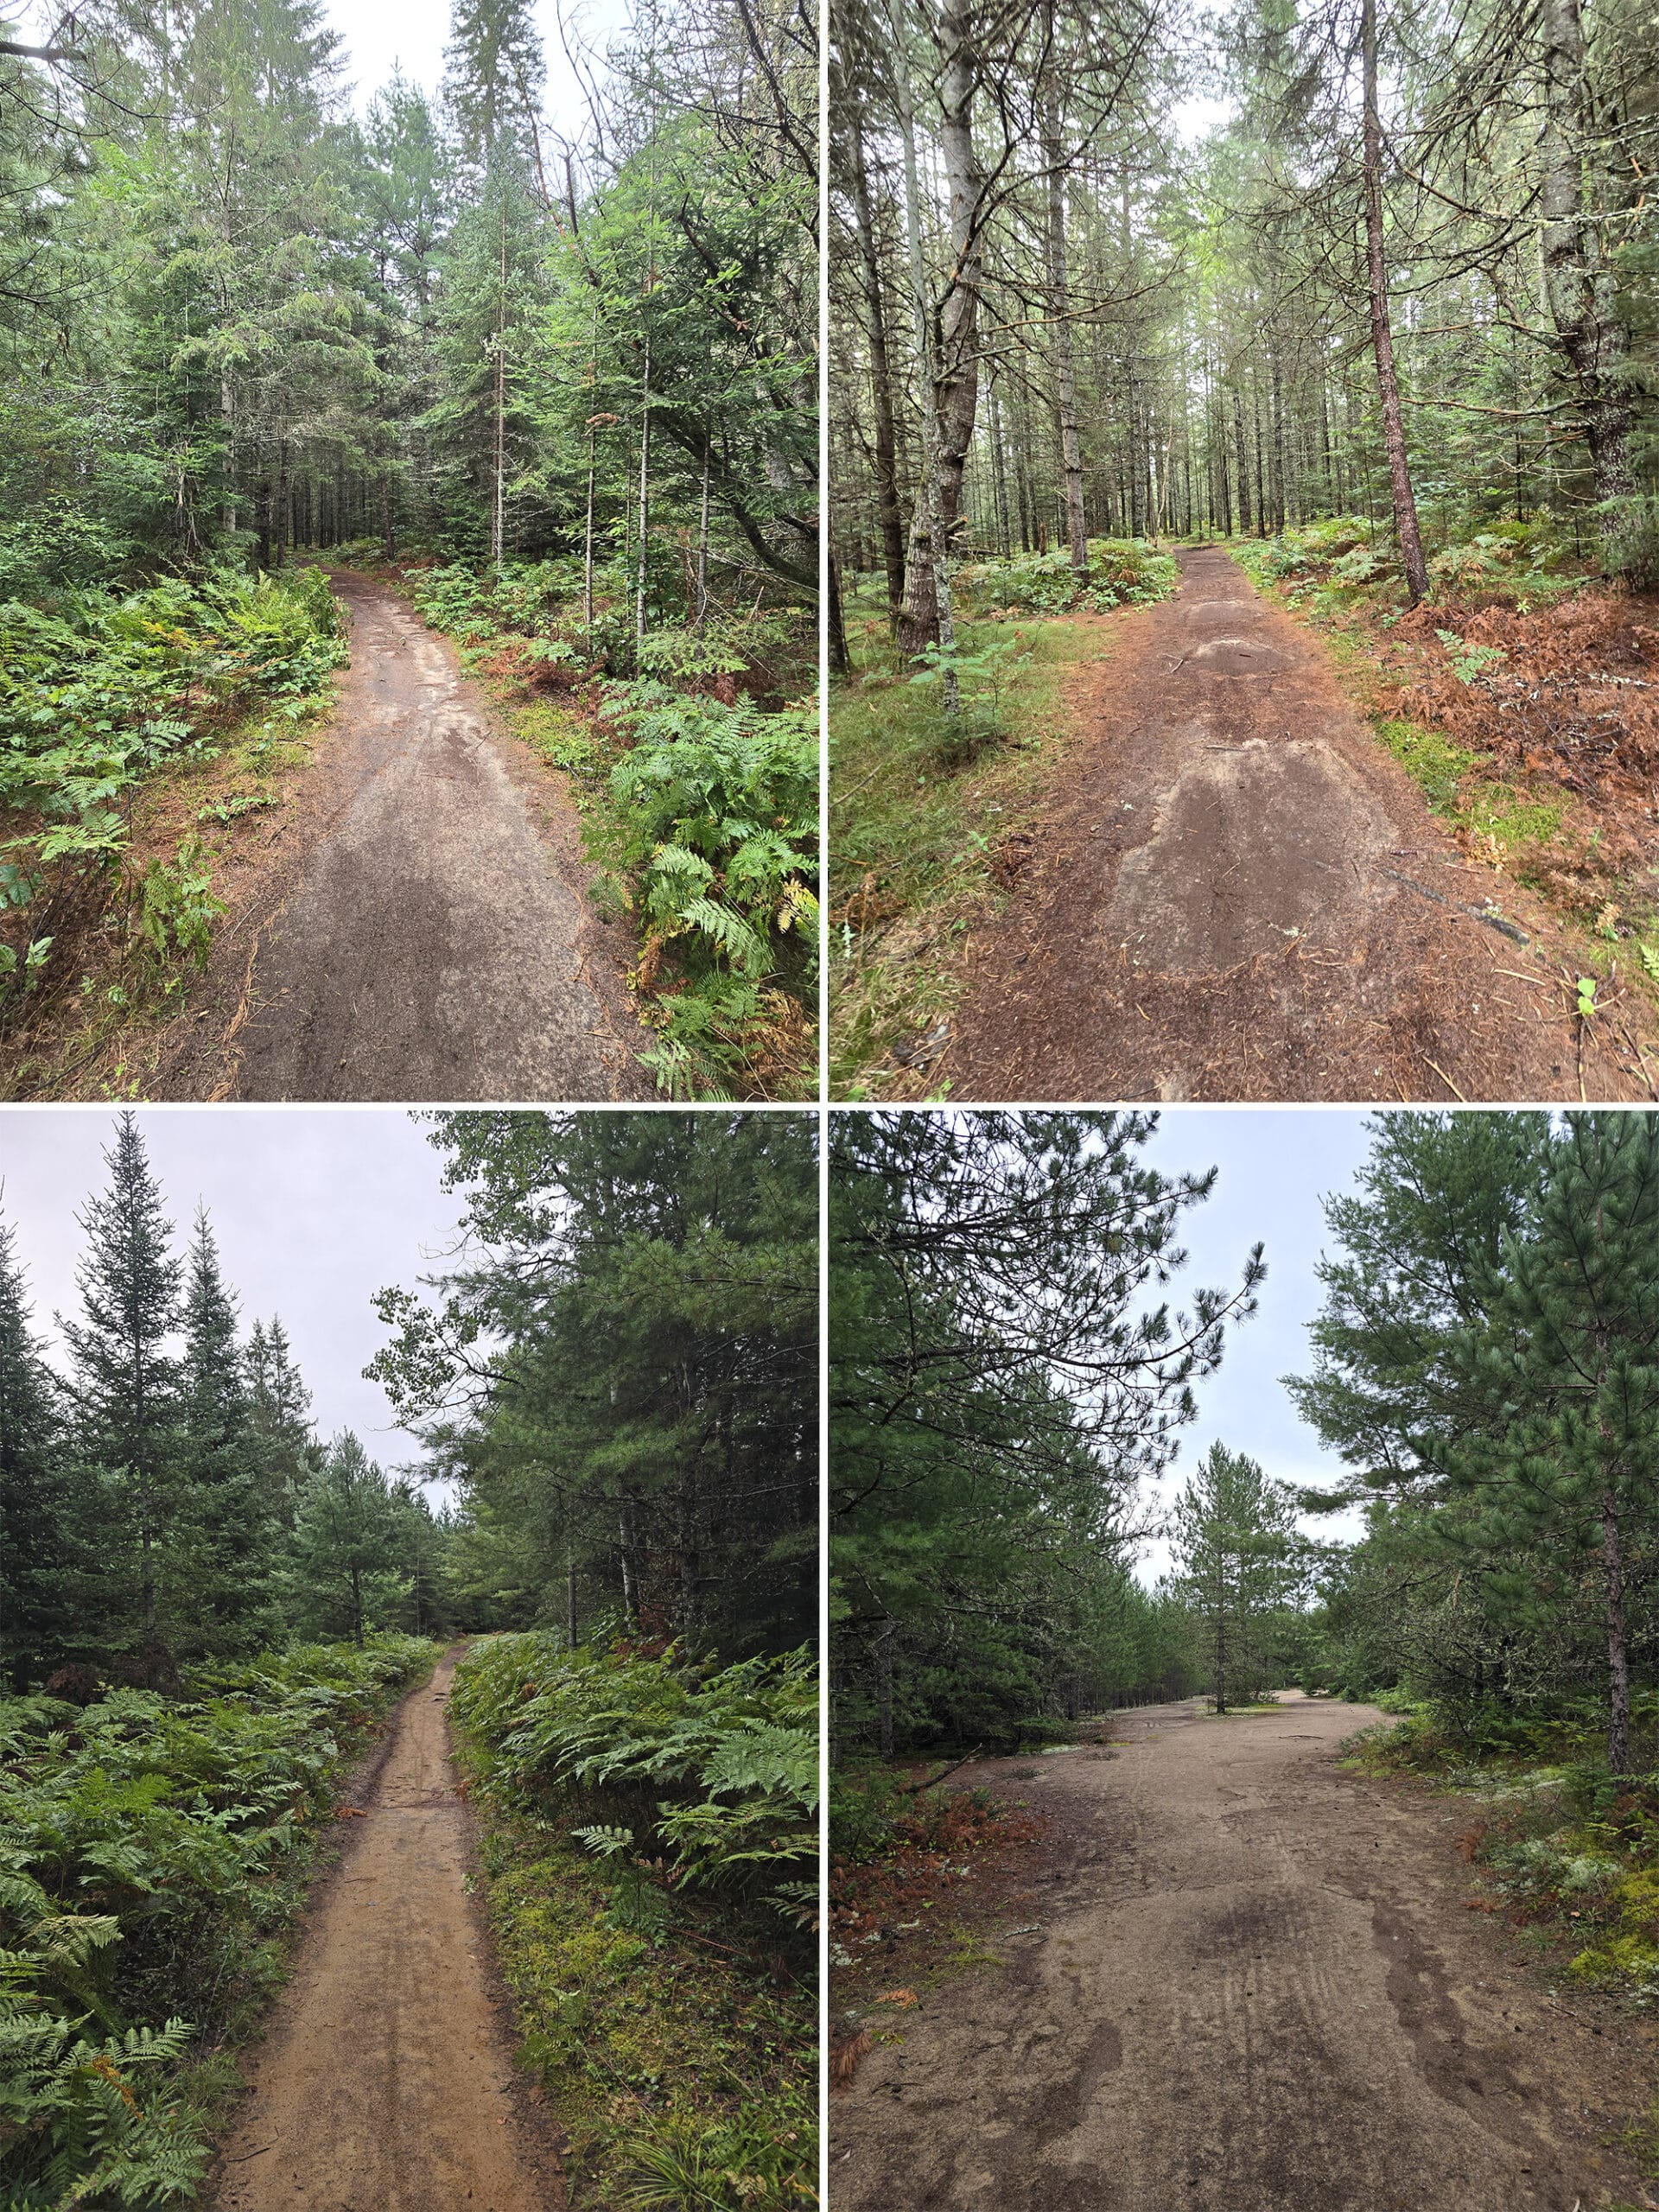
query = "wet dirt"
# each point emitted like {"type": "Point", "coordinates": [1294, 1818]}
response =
{"type": "Point", "coordinates": [385, 2080]}
{"type": "Point", "coordinates": [1237, 894]}
{"type": "Point", "coordinates": [1250, 1987]}
{"type": "Point", "coordinates": [426, 934]}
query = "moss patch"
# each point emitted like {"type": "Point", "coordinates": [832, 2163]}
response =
{"type": "Point", "coordinates": [678, 2050]}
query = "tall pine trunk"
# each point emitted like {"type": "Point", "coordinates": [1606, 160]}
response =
{"type": "Point", "coordinates": [886, 443]}
{"type": "Point", "coordinates": [1618, 1658]}
{"type": "Point", "coordinates": [645, 490]}
{"type": "Point", "coordinates": [930, 553]}
{"type": "Point", "coordinates": [1388, 382]}
{"type": "Point", "coordinates": [1579, 284]}
{"type": "Point", "coordinates": [1060, 308]}
{"type": "Point", "coordinates": [951, 390]}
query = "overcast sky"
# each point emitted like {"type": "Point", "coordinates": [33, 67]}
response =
{"type": "Point", "coordinates": [314, 1209]}
{"type": "Point", "coordinates": [1276, 1165]}
{"type": "Point", "coordinates": [414, 33]}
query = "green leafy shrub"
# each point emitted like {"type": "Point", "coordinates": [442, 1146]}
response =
{"type": "Point", "coordinates": [95, 694]}
{"type": "Point", "coordinates": [143, 1842]}
{"type": "Point", "coordinates": [714, 817]}
{"type": "Point", "coordinates": [1123, 572]}
{"type": "Point", "coordinates": [716, 1769]}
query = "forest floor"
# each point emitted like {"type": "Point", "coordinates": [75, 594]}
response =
{"type": "Point", "coordinates": [386, 2077]}
{"type": "Point", "coordinates": [1235, 892]}
{"type": "Point", "coordinates": [415, 925]}
{"type": "Point", "coordinates": [1233, 1976]}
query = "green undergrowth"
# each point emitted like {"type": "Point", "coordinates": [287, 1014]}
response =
{"type": "Point", "coordinates": [649, 1841]}
{"type": "Point", "coordinates": [1562, 1846]}
{"type": "Point", "coordinates": [155, 1852]}
{"type": "Point", "coordinates": [1342, 576]}
{"type": "Point", "coordinates": [693, 759]}
{"type": "Point", "coordinates": [103, 691]}
{"type": "Point", "coordinates": [1341, 563]}
{"type": "Point", "coordinates": [928, 818]}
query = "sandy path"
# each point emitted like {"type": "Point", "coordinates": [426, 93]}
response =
{"type": "Point", "coordinates": [1254, 1991]}
{"type": "Point", "coordinates": [427, 937]}
{"type": "Point", "coordinates": [386, 2083]}
{"type": "Point", "coordinates": [1238, 894]}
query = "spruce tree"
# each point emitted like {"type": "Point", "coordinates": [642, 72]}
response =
{"type": "Point", "coordinates": [279, 1410]}
{"type": "Point", "coordinates": [493, 78]}
{"type": "Point", "coordinates": [347, 1564]}
{"type": "Point", "coordinates": [35, 1622]}
{"type": "Point", "coordinates": [127, 1387]}
{"type": "Point", "coordinates": [224, 1513]}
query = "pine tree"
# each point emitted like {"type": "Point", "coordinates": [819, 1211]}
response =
{"type": "Point", "coordinates": [37, 1623]}
{"type": "Point", "coordinates": [1564, 1461]}
{"type": "Point", "coordinates": [1489, 1357]}
{"type": "Point", "coordinates": [1234, 1544]}
{"type": "Point", "coordinates": [127, 1387]}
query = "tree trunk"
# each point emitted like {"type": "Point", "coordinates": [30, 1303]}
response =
{"type": "Point", "coordinates": [703, 545]}
{"type": "Point", "coordinates": [1394, 432]}
{"type": "Point", "coordinates": [930, 614]}
{"type": "Point", "coordinates": [887, 444]}
{"type": "Point", "coordinates": [1059, 307]}
{"type": "Point", "coordinates": [499, 441]}
{"type": "Point", "coordinates": [1619, 1659]}
{"type": "Point", "coordinates": [841, 662]}
{"type": "Point", "coordinates": [1579, 284]}
{"type": "Point", "coordinates": [952, 392]}
{"type": "Point", "coordinates": [645, 492]}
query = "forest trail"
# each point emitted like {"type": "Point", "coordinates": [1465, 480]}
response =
{"type": "Point", "coordinates": [1239, 894]}
{"type": "Point", "coordinates": [386, 2078]}
{"type": "Point", "coordinates": [430, 937]}
{"type": "Point", "coordinates": [1252, 1990]}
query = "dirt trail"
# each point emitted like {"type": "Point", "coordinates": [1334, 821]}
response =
{"type": "Point", "coordinates": [426, 936]}
{"type": "Point", "coordinates": [1238, 894]}
{"type": "Point", "coordinates": [386, 2083]}
{"type": "Point", "coordinates": [1252, 1990]}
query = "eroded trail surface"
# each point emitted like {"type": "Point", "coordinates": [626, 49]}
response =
{"type": "Point", "coordinates": [386, 2083]}
{"type": "Point", "coordinates": [1252, 1989]}
{"type": "Point", "coordinates": [1239, 894]}
{"type": "Point", "coordinates": [428, 937]}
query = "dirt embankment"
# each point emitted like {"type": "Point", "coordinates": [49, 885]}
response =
{"type": "Point", "coordinates": [424, 933]}
{"type": "Point", "coordinates": [386, 2083]}
{"type": "Point", "coordinates": [1238, 894]}
{"type": "Point", "coordinates": [1250, 1987]}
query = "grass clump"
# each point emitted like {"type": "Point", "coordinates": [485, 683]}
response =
{"type": "Point", "coordinates": [928, 824]}
{"type": "Point", "coordinates": [154, 1853]}
{"type": "Point", "coordinates": [649, 1844]}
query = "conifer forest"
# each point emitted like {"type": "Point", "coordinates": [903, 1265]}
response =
{"type": "Point", "coordinates": [598, 1548]}
{"type": "Point", "coordinates": [1339, 312]}
{"type": "Point", "coordinates": [285, 359]}
{"type": "Point", "coordinates": [1144, 1739]}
